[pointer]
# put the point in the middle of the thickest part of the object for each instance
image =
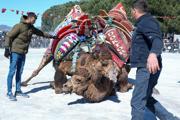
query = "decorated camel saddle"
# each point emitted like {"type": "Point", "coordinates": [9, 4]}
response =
{"type": "Point", "coordinates": [77, 25]}
{"type": "Point", "coordinates": [69, 32]}
{"type": "Point", "coordinates": [117, 30]}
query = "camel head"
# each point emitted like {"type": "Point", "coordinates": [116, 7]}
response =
{"type": "Point", "coordinates": [67, 87]}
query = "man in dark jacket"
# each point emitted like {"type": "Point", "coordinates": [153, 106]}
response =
{"type": "Point", "coordinates": [16, 47]}
{"type": "Point", "coordinates": [146, 48]}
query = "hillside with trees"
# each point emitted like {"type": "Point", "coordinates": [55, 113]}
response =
{"type": "Point", "coordinates": [166, 11]}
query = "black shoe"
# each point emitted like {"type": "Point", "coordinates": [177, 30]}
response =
{"type": "Point", "coordinates": [11, 97]}
{"type": "Point", "coordinates": [21, 94]}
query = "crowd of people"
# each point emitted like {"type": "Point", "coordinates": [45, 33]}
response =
{"type": "Point", "coordinates": [39, 42]}
{"type": "Point", "coordinates": [36, 41]}
{"type": "Point", "coordinates": [2, 38]}
{"type": "Point", "coordinates": [171, 44]}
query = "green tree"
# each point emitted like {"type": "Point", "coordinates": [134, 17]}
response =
{"type": "Point", "coordinates": [53, 16]}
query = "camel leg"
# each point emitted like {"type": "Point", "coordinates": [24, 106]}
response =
{"type": "Point", "coordinates": [52, 85]}
{"type": "Point", "coordinates": [113, 92]}
{"type": "Point", "coordinates": [122, 84]}
{"type": "Point", "coordinates": [45, 60]}
{"type": "Point", "coordinates": [59, 80]}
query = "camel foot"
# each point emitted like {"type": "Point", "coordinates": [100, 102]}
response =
{"type": "Point", "coordinates": [125, 88]}
{"type": "Point", "coordinates": [58, 90]}
{"type": "Point", "coordinates": [52, 85]}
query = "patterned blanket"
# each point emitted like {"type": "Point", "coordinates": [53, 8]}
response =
{"type": "Point", "coordinates": [114, 25]}
{"type": "Point", "coordinates": [75, 25]}
{"type": "Point", "coordinates": [117, 30]}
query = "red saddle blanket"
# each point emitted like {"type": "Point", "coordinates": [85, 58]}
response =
{"type": "Point", "coordinates": [81, 27]}
{"type": "Point", "coordinates": [120, 49]}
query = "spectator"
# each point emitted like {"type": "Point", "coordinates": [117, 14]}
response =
{"type": "Point", "coordinates": [16, 47]}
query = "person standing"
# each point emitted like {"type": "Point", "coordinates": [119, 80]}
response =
{"type": "Point", "coordinates": [145, 55]}
{"type": "Point", "coordinates": [16, 47]}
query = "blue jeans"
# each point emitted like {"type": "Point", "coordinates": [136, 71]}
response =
{"type": "Point", "coordinates": [17, 62]}
{"type": "Point", "coordinates": [142, 96]}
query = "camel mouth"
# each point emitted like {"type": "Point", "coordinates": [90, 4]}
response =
{"type": "Point", "coordinates": [67, 92]}
{"type": "Point", "coordinates": [67, 87]}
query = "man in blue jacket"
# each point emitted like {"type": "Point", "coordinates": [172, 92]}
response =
{"type": "Point", "coordinates": [145, 55]}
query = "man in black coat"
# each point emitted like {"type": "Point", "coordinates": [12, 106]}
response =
{"type": "Point", "coordinates": [146, 49]}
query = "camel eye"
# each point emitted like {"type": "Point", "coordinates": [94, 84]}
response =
{"type": "Point", "coordinates": [78, 80]}
{"type": "Point", "coordinates": [65, 85]}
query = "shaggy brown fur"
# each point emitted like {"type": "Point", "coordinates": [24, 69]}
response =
{"type": "Point", "coordinates": [91, 82]}
{"type": "Point", "coordinates": [122, 84]}
{"type": "Point", "coordinates": [95, 76]}
{"type": "Point", "coordinates": [65, 69]}
{"type": "Point", "coordinates": [98, 91]}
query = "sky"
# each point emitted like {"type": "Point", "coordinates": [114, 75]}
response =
{"type": "Point", "coordinates": [38, 6]}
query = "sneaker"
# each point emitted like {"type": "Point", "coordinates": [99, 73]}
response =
{"type": "Point", "coordinates": [11, 97]}
{"type": "Point", "coordinates": [21, 94]}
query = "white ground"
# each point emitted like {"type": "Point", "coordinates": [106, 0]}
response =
{"type": "Point", "coordinates": [44, 104]}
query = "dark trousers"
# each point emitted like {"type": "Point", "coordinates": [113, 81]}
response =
{"type": "Point", "coordinates": [17, 62]}
{"type": "Point", "coordinates": [142, 96]}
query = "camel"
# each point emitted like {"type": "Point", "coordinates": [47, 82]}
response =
{"type": "Point", "coordinates": [100, 73]}
{"type": "Point", "coordinates": [96, 77]}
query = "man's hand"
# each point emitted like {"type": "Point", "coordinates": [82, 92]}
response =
{"type": "Point", "coordinates": [7, 53]}
{"type": "Point", "coordinates": [152, 63]}
{"type": "Point", "coordinates": [55, 37]}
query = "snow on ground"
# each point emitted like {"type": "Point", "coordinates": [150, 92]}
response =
{"type": "Point", "coordinates": [44, 104]}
